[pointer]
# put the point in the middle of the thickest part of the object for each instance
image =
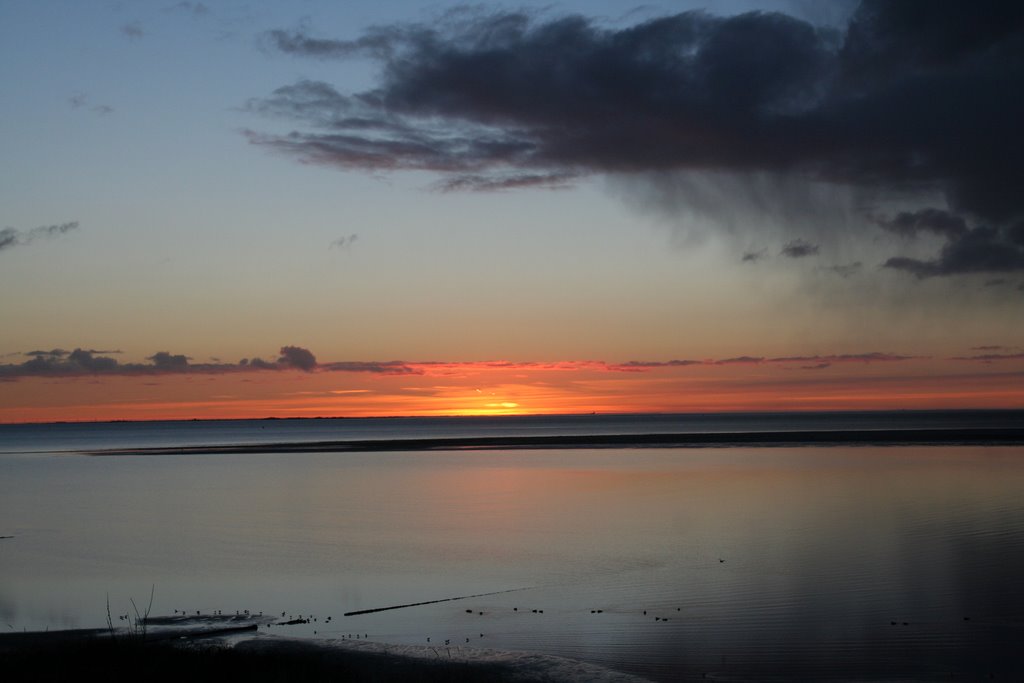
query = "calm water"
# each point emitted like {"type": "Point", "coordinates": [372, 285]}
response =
{"type": "Point", "coordinates": [767, 562]}
{"type": "Point", "coordinates": [85, 436]}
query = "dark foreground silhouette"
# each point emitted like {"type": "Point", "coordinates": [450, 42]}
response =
{"type": "Point", "coordinates": [87, 657]}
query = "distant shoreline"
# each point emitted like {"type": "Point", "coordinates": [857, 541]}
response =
{"type": "Point", "coordinates": [878, 437]}
{"type": "Point", "coordinates": [1004, 411]}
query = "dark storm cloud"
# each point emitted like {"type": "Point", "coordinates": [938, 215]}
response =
{"type": "Point", "coordinates": [937, 221]}
{"type": "Point", "coordinates": [909, 97]}
{"type": "Point", "coordinates": [799, 249]}
{"type": "Point", "coordinates": [10, 237]}
{"type": "Point", "coordinates": [484, 96]}
{"type": "Point", "coordinates": [978, 250]}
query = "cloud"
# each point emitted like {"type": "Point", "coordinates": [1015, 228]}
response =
{"type": "Point", "coordinates": [133, 30]}
{"type": "Point", "coordinates": [845, 270]}
{"type": "Point", "coordinates": [989, 357]}
{"type": "Point", "coordinates": [90, 362]}
{"type": "Point", "coordinates": [475, 96]}
{"type": "Point", "coordinates": [165, 361]}
{"type": "Point", "coordinates": [754, 256]}
{"type": "Point", "coordinates": [817, 361]}
{"type": "Point", "coordinates": [81, 362]}
{"type": "Point", "coordinates": [643, 365]}
{"type": "Point", "coordinates": [912, 223]}
{"type": "Point", "coordinates": [374, 367]}
{"type": "Point", "coordinates": [738, 360]}
{"type": "Point", "coordinates": [872, 357]}
{"type": "Point", "coordinates": [60, 353]}
{"type": "Point", "coordinates": [56, 353]}
{"type": "Point", "coordinates": [799, 248]}
{"type": "Point", "coordinates": [79, 100]}
{"type": "Point", "coordinates": [907, 99]}
{"type": "Point", "coordinates": [61, 363]}
{"type": "Point", "coordinates": [298, 358]}
{"type": "Point", "coordinates": [9, 237]}
{"type": "Point", "coordinates": [344, 242]}
{"type": "Point", "coordinates": [196, 9]}
{"type": "Point", "coordinates": [978, 250]}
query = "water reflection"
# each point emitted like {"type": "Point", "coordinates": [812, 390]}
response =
{"type": "Point", "coordinates": [788, 563]}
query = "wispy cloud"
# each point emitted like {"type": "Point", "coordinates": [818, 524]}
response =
{"type": "Point", "coordinates": [133, 30]}
{"type": "Point", "coordinates": [754, 256]}
{"type": "Point", "coordinates": [799, 248]}
{"type": "Point", "coordinates": [10, 237]}
{"type": "Point", "coordinates": [990, 357]}
{"type": "Point", "coordinates": [394, 367]}
{"type": "Point", "coordinates": [344, 242]}
{"type": "Point", "coordinates": [81, 100]}
{"type": "Point", "coordinates": [845, 270]}
{"type": "Point", "coordinates": [195, 9]}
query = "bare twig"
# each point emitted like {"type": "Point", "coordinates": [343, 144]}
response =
{"type": "Point", "coordinates": [110, 622]}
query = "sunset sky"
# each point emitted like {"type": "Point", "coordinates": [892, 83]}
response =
{"type": "Point", "coordinates": [249, 209]}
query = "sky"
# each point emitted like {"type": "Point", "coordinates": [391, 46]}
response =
{"type": "Point", "coordinates": [253, 209]}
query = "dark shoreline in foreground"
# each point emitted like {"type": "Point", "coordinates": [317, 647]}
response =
{"type": "Point", "coordinates": [213, 654]}
{"type": "Point", "coordinates": [87, 656]}
{"type": "Point", "coordinates": [879, 437]}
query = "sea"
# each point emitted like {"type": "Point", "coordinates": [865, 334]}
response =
{"type": "Point", "coordinates": [775, 561]}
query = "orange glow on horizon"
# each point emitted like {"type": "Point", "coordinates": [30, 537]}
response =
{"type": "Point", "coordinates": [505, 389]}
